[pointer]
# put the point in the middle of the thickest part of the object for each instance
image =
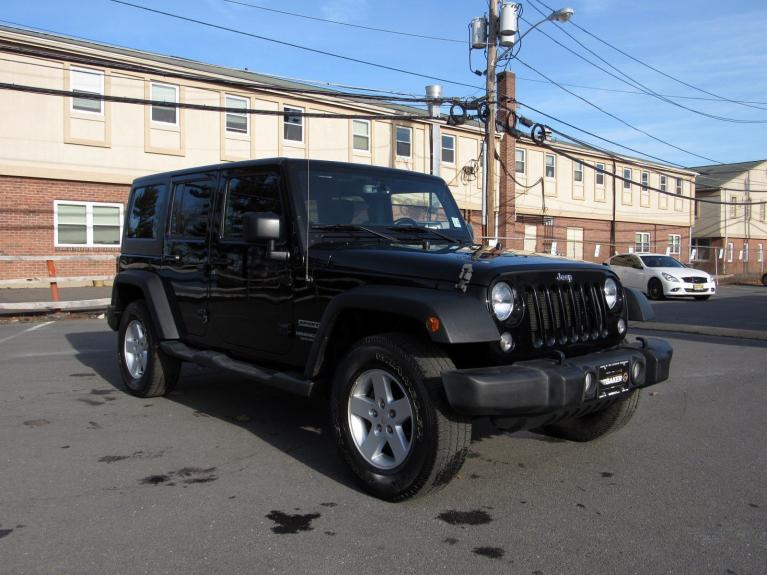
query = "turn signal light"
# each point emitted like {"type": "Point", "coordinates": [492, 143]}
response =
{"type": "Point", "coordinates": [432, 324]}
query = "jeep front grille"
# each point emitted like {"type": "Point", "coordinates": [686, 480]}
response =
{"type": "Point", "coordinates": [566, 314]}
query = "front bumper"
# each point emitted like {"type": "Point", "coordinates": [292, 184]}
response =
{"type": "Point", "coordinates": [682, 288]}
{"type": "Point", "coordinates": [542, 386]}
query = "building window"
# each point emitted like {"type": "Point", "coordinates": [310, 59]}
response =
{"type": "Point", "coordinates": [164, 93]}
{"type": "Point", "coordinates": [674, 244]}
{"type": "Point", "coordinates": [679, 186]}
{"type": "Point", "coordinates": [645, 180]}
{"type": "Point", "coordinates": [578, 171]}
{"type": "Point", "coordinates": [730, 251]}
{"type": "Point", "coordinates": [745, 252]}
{"type": "Point", "coordinates": [403, 142]}
{"type": "Point", "coordinates": [87, 224]}
{"type": "Point", "coordinates": [520, 160]}
{"type": "Point", "coordinates": [86, 81]}
{"type": "Point", "coordinates": [361, 135]}
{"type": "Point", "coordinates": [600, 174]}
{"type": "Point", "coordinates": [733, 206]}
{"type": "Point", "coordinates": [293, 124]}
{"type": "Point", "coordinates": [236, 121]}
{"type": "Point", "coordinates": [627, 176]}
{"type": "Point", "coordinates": [663, 183]}
{"type": "Point", "coordinates": [642, 242]}
{"type": "Point", "coordinates": [760, 253]}
{"type": "Point", "coordinates": [551, 166]}
{"type": "Point", "coordinates": [448, 149]}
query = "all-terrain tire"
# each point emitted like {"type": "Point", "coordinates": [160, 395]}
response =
{"type": "Point", "coordinates": [146, 371]}
{"type": "Point", "coordinates": [595, 425]}
{"type": "Point", "coordinates": [438, 438]}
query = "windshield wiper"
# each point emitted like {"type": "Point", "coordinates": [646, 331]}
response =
{"type": "Point", "coordinates": [421, 230]}
{"type": "Point", "coordinates": [353, 228]}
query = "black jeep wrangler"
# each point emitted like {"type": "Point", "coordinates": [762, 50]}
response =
{"type": "Point", "coordinates": [363, 285]}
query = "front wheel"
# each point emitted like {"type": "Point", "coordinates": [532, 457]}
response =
{"type": "Point", "coordinates": [655, 289]}
{"type": "Point", "coordinates": [595, 425]}
{"type": "Point", "coordinates": [146, 371]}
{"type": "Point", "coordinates": [392, 423]}
{"type": "Point", "coordinates": [764, 280]}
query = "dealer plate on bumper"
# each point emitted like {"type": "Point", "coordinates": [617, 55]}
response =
{"type": "Point", "coordinates": [613, 378]}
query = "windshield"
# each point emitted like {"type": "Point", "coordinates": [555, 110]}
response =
{"type": "Point", "coordinates": [346, 197]}
{"type": "Point", "coordinates": [661, 262]}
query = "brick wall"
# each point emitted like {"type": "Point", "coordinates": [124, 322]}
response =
{"type": "Point", "coordinates": [26, 225]}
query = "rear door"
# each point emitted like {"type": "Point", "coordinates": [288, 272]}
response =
{"type": "Point", "coordinates": [185, 254]}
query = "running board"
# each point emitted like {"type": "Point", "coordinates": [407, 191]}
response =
{"type": "Point", "coordinates": [281, 380]}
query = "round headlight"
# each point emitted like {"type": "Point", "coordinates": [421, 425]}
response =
{"type": "Point", "coordinates": [502, 300]}
{"type": "Point", "coordinates": [611, 292]}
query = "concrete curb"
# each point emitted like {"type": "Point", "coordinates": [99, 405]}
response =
{"type": "Point", "coordinates": [50, 306]}
{"type": "Point", "coordinates": [702, 330]}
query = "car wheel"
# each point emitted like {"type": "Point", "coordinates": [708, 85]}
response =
{"type": "Point", "coordinates": [702, 297]}
{"type": "Point", "coordinates": [655, 289]}
{"type": "Point", "coordinates": [595, 425]}
{"type": "Point", "coordinates": [146, 371]}
{"type": "Point", "coordinates": [391, 419]}
{"type": "Point", "coordinates": [764, 280]}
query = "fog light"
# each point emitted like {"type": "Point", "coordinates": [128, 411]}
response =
{"type": "Point", "coordinates": [636, 371]}
{"type": "Point", "coordinates": [507, 342]}
{"type": "Point", "coordinates": [589, 383]}
{"type": "Point", "coordinates": [621, 326]}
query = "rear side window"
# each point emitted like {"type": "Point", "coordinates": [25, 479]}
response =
{"type": "Point", "coordinates": [191, 209]}
{"type": "Point", "coordinates": [250, 193]}
{"type": "Point", "coordinates": [143, 212]}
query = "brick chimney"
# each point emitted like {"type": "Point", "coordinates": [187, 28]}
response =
{"type": "Point", "coordinates": [506, 89]}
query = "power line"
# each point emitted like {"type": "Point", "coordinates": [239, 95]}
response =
{"type": "Point", "coordinates": [630, 81]}
{"type": "Point", "coordinates": [292, 45]}
{"type": "Point", "coordinates": [618, 118]}
{"type": "Point", "coordinates": [387, 31]}
{"type": "Point", "coordinates": [654, 69]}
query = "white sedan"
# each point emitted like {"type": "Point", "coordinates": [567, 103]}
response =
{"type": "Point", "coordinates": [662, 276]}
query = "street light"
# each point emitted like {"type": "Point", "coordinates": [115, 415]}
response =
{"type": "Point", "coordinates": [509, 37]}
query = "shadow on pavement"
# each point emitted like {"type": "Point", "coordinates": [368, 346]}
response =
{"type": "Point", "coordinates": [718, 340]}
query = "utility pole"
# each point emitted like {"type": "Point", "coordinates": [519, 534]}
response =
{"type": "Point", "coordinates": [491, 97]}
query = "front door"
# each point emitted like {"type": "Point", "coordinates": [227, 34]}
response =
{"type": "Point", "coordinates": [251, 288]}
{"type": "Point", "coordinates": [575, 243]}
{"type": "Point", "coordinates": [185, 255]}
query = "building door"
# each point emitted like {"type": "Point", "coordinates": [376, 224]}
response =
{"type": "Point", "coordinates": [530, 242]}
{"type": "Point", "coordinates": [185, 253]}
{"type": "Point", "coordinates": [575, 243]}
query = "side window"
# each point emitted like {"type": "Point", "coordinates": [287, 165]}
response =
{"type": "Point", "coordinates": [620, 261]}
{"type": "Point", "coordinates": [143, 212]}
{"type": "Point", "coordinates": [191, 209]}
{"type": "Point", "coordinates": [250, 193]}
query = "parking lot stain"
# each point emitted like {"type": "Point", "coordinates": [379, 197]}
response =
{"type": "Point", "coordinates": [291, 524]}
{"type": "Point", "coordinates": [185, 475]}
{"type": "Point", "coordinates": [89, 401]}
{"type": "Point", "coordinates": [607, 474]}
{"type": "Point", "coordinates": [90, 374]}
{"type": "Point", "coordinates": [331, 533]}
{"type": "Point", "coordinates": [329, 504]}
{"type": "Point", "coordinates": [102, 391]}
{"type": "Point", "coordinates": [134, 455]}
{"type": "Point", "coordinates": [475, 476]}
{"type": "Point", "coordinates": [475, 517]}
{"type": "Point", "coordinates": [450, 540]}
{"type": "Point", "coordinates": [491, 552]}
{"type": "Point", "coordinates": [580, 505]}
{"type": "Point", "coordinates": [112, 458]}
{"type": "Point", "coordinates": [36, 422]}
{"type": "Point", "coordinates": [754, 505]}
{"type": "Point", "coordinates": [5, 532]}
{"type": "Point", "coordinates": [93, 425]}
{"type": "Point", "coordinates": [155, 479]}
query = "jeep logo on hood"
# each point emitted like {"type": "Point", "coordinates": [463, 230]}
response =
{"type": "Point", "coordinates": [565, 278]}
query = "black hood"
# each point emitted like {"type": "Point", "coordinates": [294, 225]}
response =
{"type": "Point", "coordinates": [439, 265]}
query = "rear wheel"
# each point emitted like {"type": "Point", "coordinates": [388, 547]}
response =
{"type": "Point", "coordinates": [392, 423]}
{"type": "Point", "coordinates": [764, 280]}
{"type": "Point", "coordinates": [146, 371]}
{"type": "Point", "coordinates": [595, 425]}
{"type": "Point", "coordinates": [655, 289]}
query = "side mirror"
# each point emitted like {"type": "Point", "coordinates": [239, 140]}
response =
{"type": "Point", "coordinates": [260, 226]}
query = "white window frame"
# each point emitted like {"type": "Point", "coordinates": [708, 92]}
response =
{"type": "Point", "coordinates": [599, 175]}
{"type": "Point", "coordinates": [73, 70]}
{"type": "Point", "coordinates": [730, 252]}
{"type": "Point", "coordinates": [578, 169]}
{"type": "Point", "coordinates": [733, 206]}
{"type": "Point", "coordinates": [760, 253]}
{"type": "Point", "coordinates": [442, 149]}
{"type": "Point", "coordinates": [366, 136]}
{"type": "Point", "coordinates": [246, 101]}
{"type": "Point", "coordinates": [675, 244]}
{"type": "Point", "coordinates": [628, 177]}
{"type": "Point", "coordinates": [88, 223]}
{"type": "Point", "coordinates": [152, 84]}
{"type": "Point", "coordinates": [745, 252]}
{"type": "Point", "coordinates": [523, 161]}
{"type": "Point", "coordinates": [553, 166]}
{"type": "Point", "coordinates": [640, 243]}
{"type": "Point", "coordinates": [409, 141]}
{"type": "Point", "coordinates": [286, 111]}
{"type": "Point", "coordinates": [663, 183]}
{"type": "Point", "coordinates": [645, 181]}
{"type": "Point", "coordinates": [679, 187]}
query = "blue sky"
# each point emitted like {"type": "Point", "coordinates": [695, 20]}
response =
{"type": "Point", "coordinates": [720, 48]}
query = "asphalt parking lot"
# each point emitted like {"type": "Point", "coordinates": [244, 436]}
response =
{"type": "Point", "coordinates": [223, 476]}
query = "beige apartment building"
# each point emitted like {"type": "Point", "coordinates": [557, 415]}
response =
{"type": "Point", "coordinates": [66, 163]}
{"type": "Point", "coordinates": [731, 239]}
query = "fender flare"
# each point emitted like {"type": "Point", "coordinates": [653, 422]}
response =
{"type": "Point", "coordinates": [155, 296]}
{"type": "Point", "coordinates": [639, 308]}
{"type": "Point", "coordinates": [463, 318]}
